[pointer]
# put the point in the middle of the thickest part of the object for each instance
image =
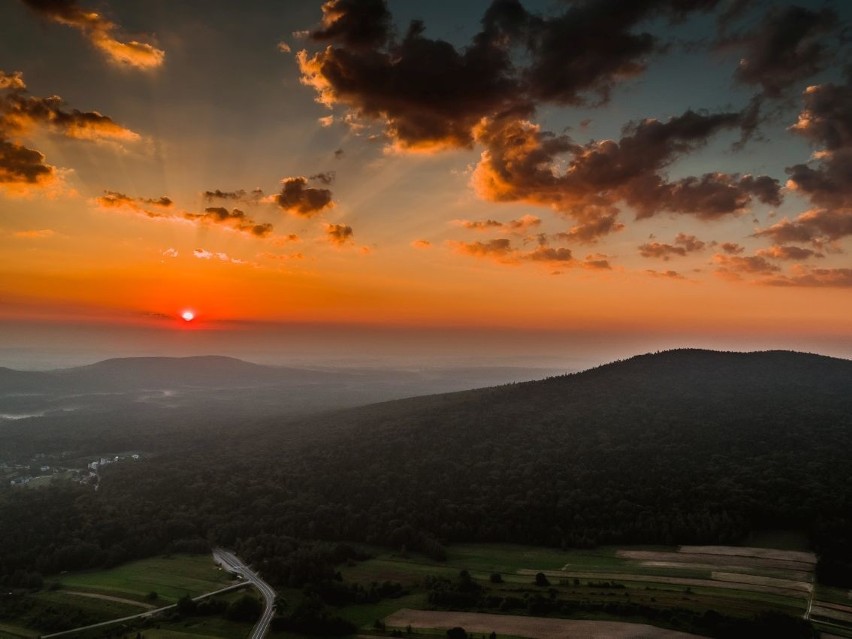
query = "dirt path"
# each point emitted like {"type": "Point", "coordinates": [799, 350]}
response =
{"type": "Point", "coordinates": [532, 627]}
{"type": "Point", "coordinates": [95, 595]}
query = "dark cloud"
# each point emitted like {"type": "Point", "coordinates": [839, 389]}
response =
{"type": "Point", "coordinates": [297, 197]}
{"type": "Point", "coordinates": [430, 95]}
{"type": "Point", "coordinates": [235, 219]}
{"type": "Point", "coordinates": [731, 248]}
{"type": "Point", "coordinates": [788, 253]}
{"type": "Point", "coordinates": [790, 45]}
{"type": "Point", "coordinates": [22, 168]}
{"type": "Point", "coordinates": [150, 207]}
{"type": "Point", "coordinates": [549, 254]}
{"type": "Point", "coordinates": [241, 195]}
{"type": "Point", "coordinates": [519, 164]}
{"type": "Point", "coordinates": [338, 234]}
{"type": "Point", "coordinates": [826, 121]}
{"type": "Point", "coordinates": [100, 32]}
{"type": "Point", "coordinates": [683, 244]}
{"type": "Point", "coordinates": [358, 24]}
{"type": "Point", "coordinates": [326, 177]}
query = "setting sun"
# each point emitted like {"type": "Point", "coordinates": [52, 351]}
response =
{"type": "Point", "coordinates": [188, 316]}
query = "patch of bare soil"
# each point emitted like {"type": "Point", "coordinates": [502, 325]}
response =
{"type": "Point", "coordinates": [532, 627]}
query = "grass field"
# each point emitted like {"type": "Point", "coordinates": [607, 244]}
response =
{"type": "Point", "coordinates": [734, 581]}
{"type": "Point", "coordinates": [170, 577]}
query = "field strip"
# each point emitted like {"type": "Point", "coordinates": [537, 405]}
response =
{"type": "Point", "coordinates": [834, 606]}
{"type": "Point", "coordinates": [819, 611]}
{"type": "Point", "coordinates": [761, 581]}
{"type": "Point", "coordinates": [532, 627]}
{"type": "Point", "coordinates": [792, 575]}
{"type": "Point", "coordinates": [718, 559]}
{"type": "Point", "coordinates": [679, 581]}
{"type": "Point", "coordinates": [95, 595]}
{"type": "Point", "coordinates": [762, 553]}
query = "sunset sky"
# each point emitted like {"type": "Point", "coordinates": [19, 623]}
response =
{"type": "Point", "coordinates": [540, 182]}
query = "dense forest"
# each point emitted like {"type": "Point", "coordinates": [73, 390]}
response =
{"type": "Point", "coordinates": [677, 447]}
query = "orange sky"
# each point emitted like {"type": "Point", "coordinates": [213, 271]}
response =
{"type": "Point", "coordinates": [203, 162]}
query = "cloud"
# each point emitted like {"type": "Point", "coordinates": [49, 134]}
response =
{"type": "Point", "coordinates": [421, 244]}
{"type": "Point", "coordinates": [826, 121]}
{"type": "Point", "coordinates": [296, 197]}
{"type": "Point", "coordinates": [13, 81]}
{"type": "Point", "coordinates": [788, 253]}
{"type": "Point", "coordinates": [241, 195]}
{"type": "Point", "coordinates": [789, 45]}
{"type": "Point", "coordinates": [430, 95]}
{"type": "Point", "coordinates": [731, 248]}
{"type": "Point", "coordinates": [338, 234]}
{"type": "Point", "coordinates": [672, 275]}
{"type": "Point", "coordinates": [817, 226]}
{"type": "Point", "coordinates": [523, 163]}
{"type": "Point", "coordinates": [479, 225]}
{"type": "Point", "coordinates": [203, 254]}
{"type": "Point", "coordinates": [150, 207]}
{"type": "Point", "coordinates": [683, 244]}
{"type": "Point", "coordinates": [326, 177]}
{"type": "Point", "coordinates": [499, 249]}
{"type": "Point", "coordinates": [597, 261]}
{"type": "Point", "coordinates": [23, 169]}
{"type": "Point", "coordinates": [19, 113]}
{"type": "Point", "coordinates": [101, 32]}
{"type": "Point", "coordinates": [820, 277]}
{"type": "Point", "coordinates": [235, 219]}
{"type": "Point", "coordinates": [734, 265]}
{"type": "Point", "coordinates": [549, 254]}
{"type": "Point", "coordinates": [520, 225]}
{"type": "Point", "coordinates": [170, 252]}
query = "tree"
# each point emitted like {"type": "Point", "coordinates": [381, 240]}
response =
{"type": "Point", "coordinates": [541, 579]}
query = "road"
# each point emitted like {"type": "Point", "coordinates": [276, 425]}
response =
{"type": "Point", "coordinates": [148, 613]}
{"type": "Point", "coordinates": [232, 563]}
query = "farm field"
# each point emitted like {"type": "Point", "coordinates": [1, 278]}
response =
{"type": "Point", "coordinates": [78, 599]}
{"type": "Point", "coordinates": [607, 583]}
{"type": "Point", "coordinates": [531, 627]}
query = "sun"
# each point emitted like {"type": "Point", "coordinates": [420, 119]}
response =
{"type": "Point", "coordinates": [188, 316]}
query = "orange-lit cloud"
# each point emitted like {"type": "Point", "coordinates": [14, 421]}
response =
{"type": "Point", "coordinates": [101, 32]}
{"type": "Point", "coordinates": [235, 219]}
{"type": "Point", "coordinates": [788, 253]}
{"type": "Point", "coordinates": [150, 207]}
{"type": "Point", "coordinates": [520, 163]}
{"type": "Point", "coordinates": [421, 244]}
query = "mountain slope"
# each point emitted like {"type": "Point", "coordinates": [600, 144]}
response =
{"type": "Point", "coordinates": [675, 447]}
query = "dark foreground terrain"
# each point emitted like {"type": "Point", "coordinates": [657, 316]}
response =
{"type": "Point", "coordinates": [681, 447]}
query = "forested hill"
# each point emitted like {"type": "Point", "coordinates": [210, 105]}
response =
{"type": "Point", "coordinates": [677, 447]}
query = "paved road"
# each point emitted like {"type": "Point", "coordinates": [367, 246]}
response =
{"type": "Point", "coordinates": [235, 565]}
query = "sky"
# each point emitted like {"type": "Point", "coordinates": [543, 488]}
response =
{"type": "Point", "coordinates": [554, 183]}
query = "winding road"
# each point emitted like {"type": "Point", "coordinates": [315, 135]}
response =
{"type": "Point", "coordinates": [232, 563]}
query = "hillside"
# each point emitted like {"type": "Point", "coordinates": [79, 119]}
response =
{"type": "Point", "coordinates": [676, 447]}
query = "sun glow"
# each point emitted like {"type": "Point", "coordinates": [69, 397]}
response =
{"type": "Point", "coordinates": [188, 316]}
